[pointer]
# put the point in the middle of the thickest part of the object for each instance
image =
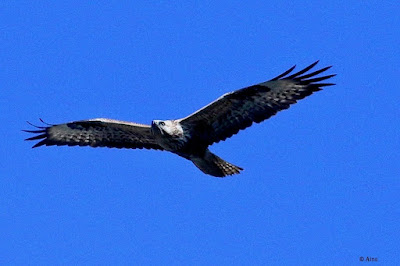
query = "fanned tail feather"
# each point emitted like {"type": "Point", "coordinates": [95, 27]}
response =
{"type": "Point", "coordinates": [213, 165]}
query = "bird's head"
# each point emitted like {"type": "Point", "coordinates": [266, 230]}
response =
{"type": "Point", "coordinates": [166, 127]}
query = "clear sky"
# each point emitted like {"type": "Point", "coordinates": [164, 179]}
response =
{"type": "Point", "coordinates": [321, 180]}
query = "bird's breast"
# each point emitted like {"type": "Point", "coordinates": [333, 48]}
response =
{"type": "Point", "coordinates": [171, 143]}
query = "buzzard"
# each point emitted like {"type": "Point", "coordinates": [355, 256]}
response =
{"type": "Point", "coordinates": [189, 137]}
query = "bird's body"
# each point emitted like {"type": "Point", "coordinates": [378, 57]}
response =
{"type": "Point", "coordinates": [191, 136]}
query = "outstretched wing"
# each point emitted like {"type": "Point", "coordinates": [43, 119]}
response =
{"type": "Point", "coordinates": [239, 109]}
{"type": "Point", "coordinates": [99, 132]}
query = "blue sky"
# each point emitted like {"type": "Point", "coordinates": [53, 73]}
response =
{"type": "Point", "coordinates": [321, 180]}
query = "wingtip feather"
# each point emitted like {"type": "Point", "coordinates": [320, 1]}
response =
{"type": "Point", "coordinates": [42, 136]}
{"type": "Point", "coordinates": [34, 131]}
{"type": "Point", "coordinates": [284, 73]}
{"type": "Point", "coordinates": [45, 122]}
{"type": "Point", "coordinates": [309, 81]}
{"type": "Point", "coordinates": [295, 75]}
{"type": "Point", "coordinates": [41, 143]}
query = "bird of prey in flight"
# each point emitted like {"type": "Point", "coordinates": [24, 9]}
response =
{"type": "Point", "coordinates": [189, 137]}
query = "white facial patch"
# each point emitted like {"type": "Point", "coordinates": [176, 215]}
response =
{"type": "Point", "coordinates": [171, 127]}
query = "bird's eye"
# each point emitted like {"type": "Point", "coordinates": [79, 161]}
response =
{"type": "Point", "coordinates": [161, 123]}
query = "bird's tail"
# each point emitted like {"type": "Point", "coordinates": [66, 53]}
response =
{"type": "Point", "coordinates": [211, 164]}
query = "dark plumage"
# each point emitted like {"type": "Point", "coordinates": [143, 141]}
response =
{"type": "Point", "coordinates": [190, 137]}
